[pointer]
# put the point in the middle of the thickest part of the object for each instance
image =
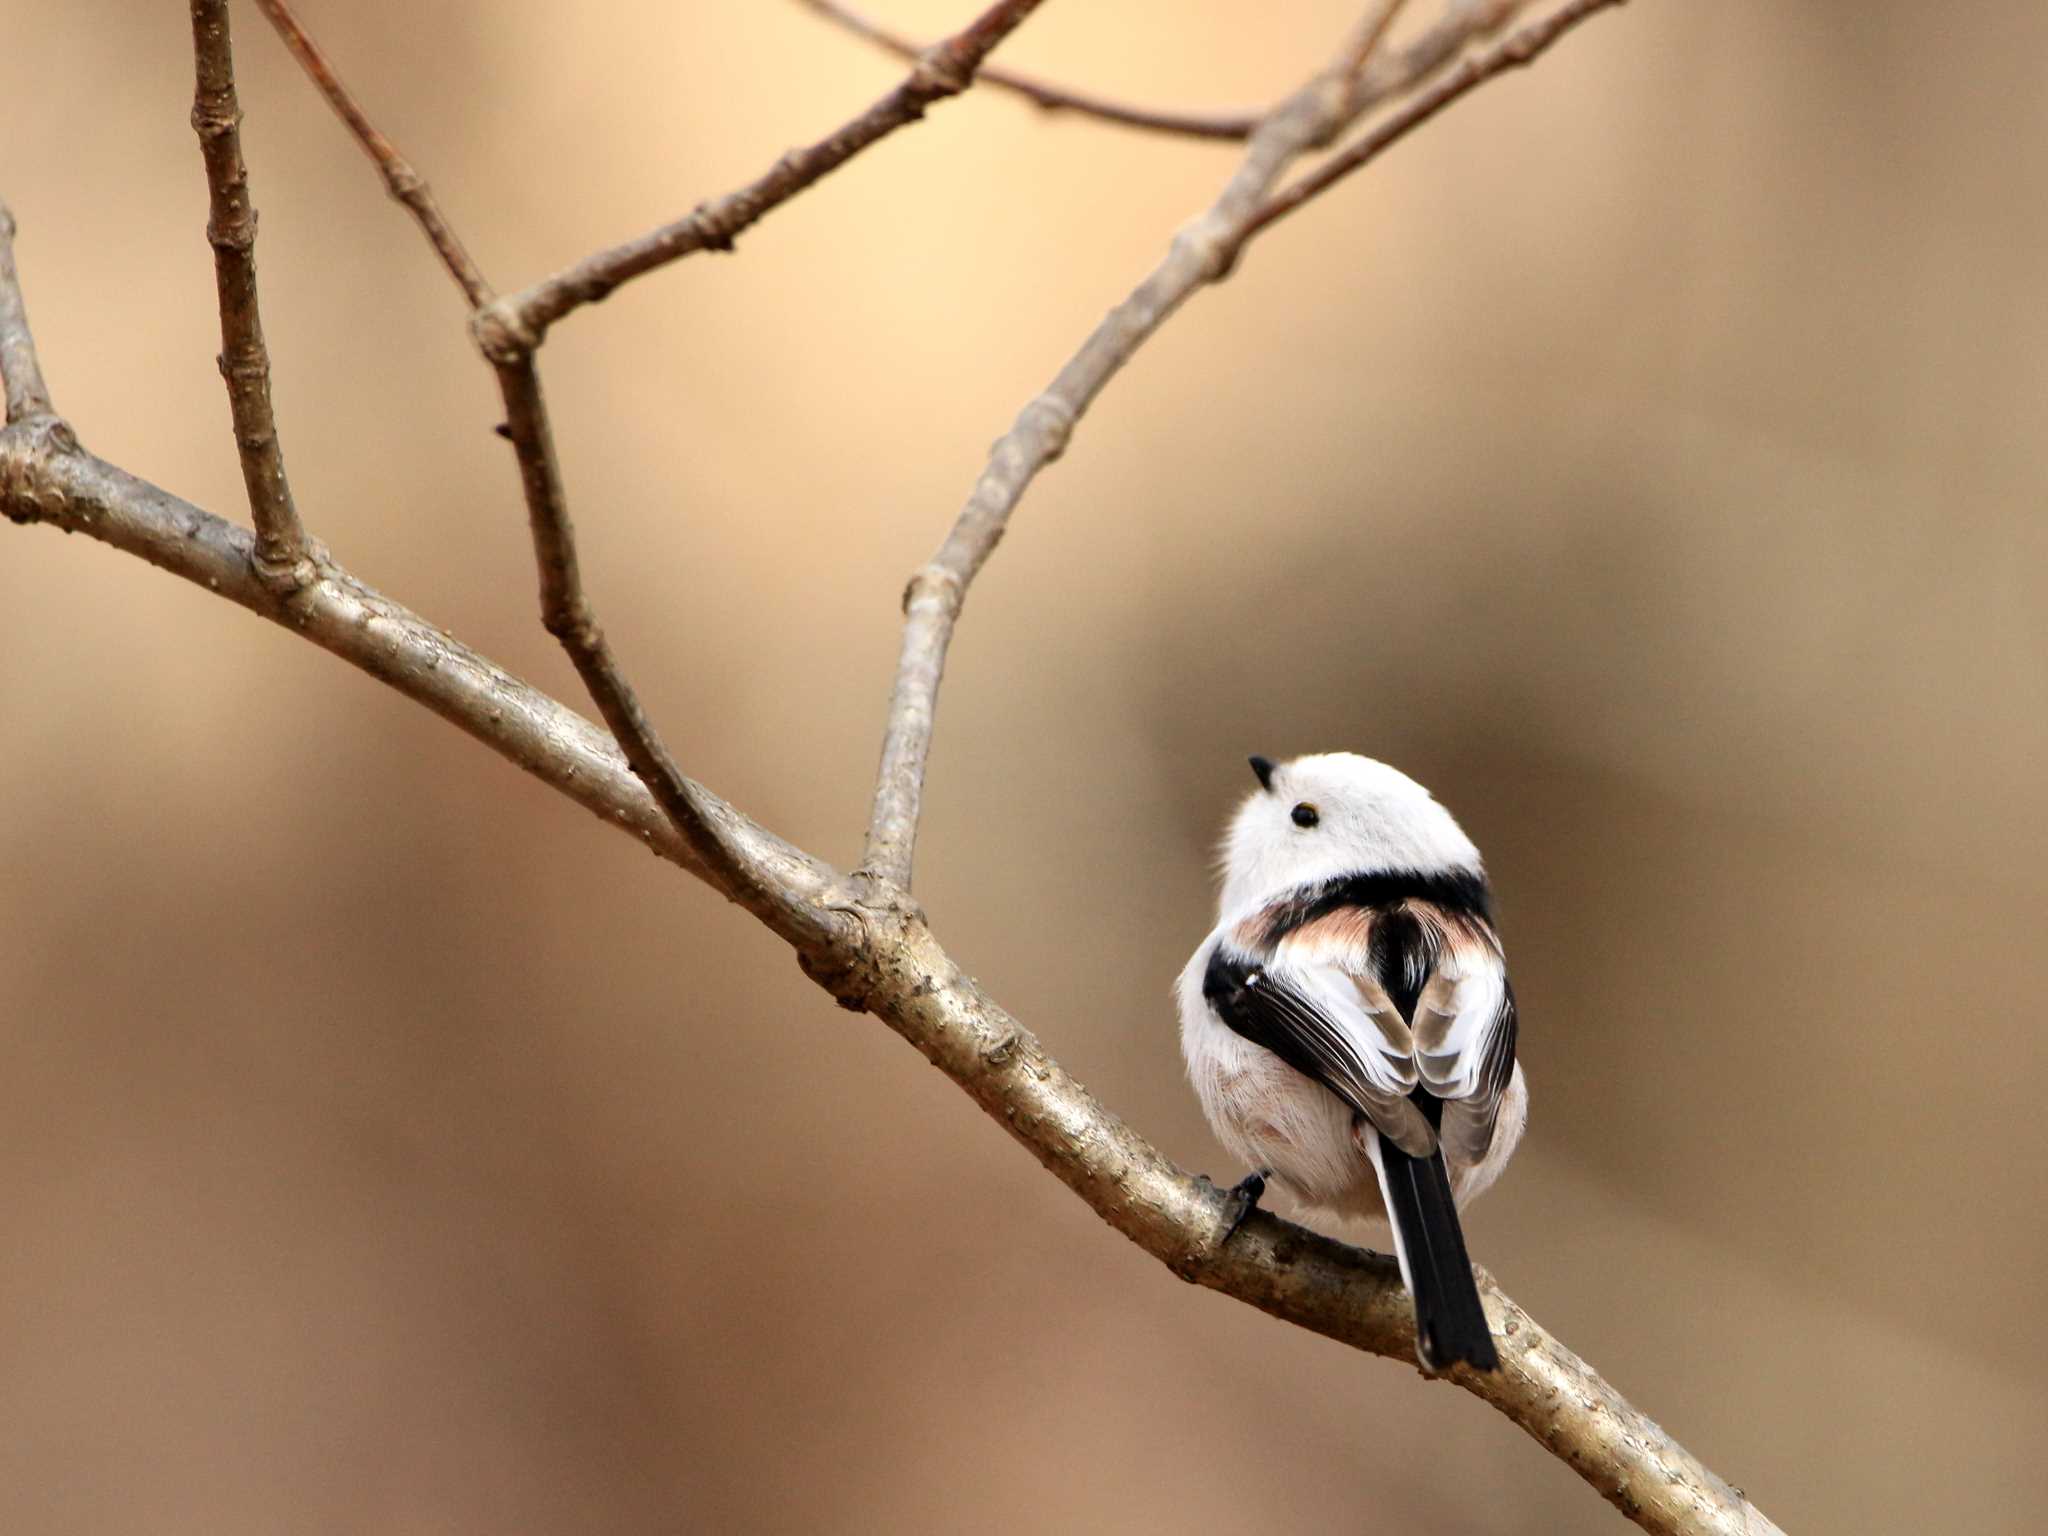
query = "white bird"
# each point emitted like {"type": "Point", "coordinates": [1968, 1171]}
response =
{"type": "Point", "coordinates": [1348, 1024]}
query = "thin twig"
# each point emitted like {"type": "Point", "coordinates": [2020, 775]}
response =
{"type": "Point", "coordinates": [509, 344]}
{"type": "Point", "coordinates": [1048, 95]}
{"type": "Point", "coordinates": [568, 616]}
{"type": "Point", "coordinates": [1365, 38]}
{"type": "Point", "coordinates": [1201, 253]}
{"type": "Point", "coordinates": [20, 373]}
{"type": "Point", "coordinates": [565, 609]}
{"type": "Point", "coordinates": [517, 322]}
{"type": "Point", "coordinates": [400, 179]}
{"type": "Point", "coordinates": [231, 231]}
{"type": "Point", "coordinates": [1519, 48]}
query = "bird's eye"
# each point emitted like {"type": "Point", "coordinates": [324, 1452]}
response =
{"type": "Point", "coordinates": [1305, 815]}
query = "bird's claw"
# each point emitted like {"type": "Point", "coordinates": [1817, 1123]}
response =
{"type": "Point", "coordinates": [1248, 1192]}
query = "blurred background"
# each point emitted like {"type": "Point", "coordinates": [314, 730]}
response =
{"type": "Point", "coordinates": [1645, 456]}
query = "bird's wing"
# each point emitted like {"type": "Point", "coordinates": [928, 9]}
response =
{"type": "Point", "coordinates": [1336, 1025]}
{"type": "Point", "coordinates": [1435, 986]}
{"type": "Point", "coordinates": [1464, 1026]}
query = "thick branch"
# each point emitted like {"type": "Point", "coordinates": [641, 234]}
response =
{"type": "Point", "coordinates": [1048, 95]}
{"type": "Point", "coordinates": [45, 477]}
{"type": "Point", "coordinates": [20, 373]}
{"type": "Point", "coordinates": [517, 322]}
{"type": "Point", "coordinates": [400, 179]}
{"type": "Point", "coordinates": [1201, 253]}
{"type": "Point", "coordinates": [244, 360]}
{"type": "Point", "coordinates": [1300, 1276]}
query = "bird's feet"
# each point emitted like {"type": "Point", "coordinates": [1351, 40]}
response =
{"type": "Point", "coordinates": [1248, 1191]}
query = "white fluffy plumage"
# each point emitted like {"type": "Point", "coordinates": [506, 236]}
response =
{"type": "Point", "coordinates": [1354, 993]}
{"type": "Point", "coordinates": [1373, 817]}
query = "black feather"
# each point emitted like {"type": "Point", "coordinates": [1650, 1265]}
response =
{"type": "Point", "coordinates": [1459, 891]}
{"type": "Point", "coordinates": [1450, 1324]}
{"type": "Point", "coordinates": [1267, 1013]}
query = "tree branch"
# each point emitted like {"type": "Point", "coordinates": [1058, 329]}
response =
{"type": "Point", "coordinates": [1203, 252]}
{"type": "Point", "coordinates": [404, 183]}
{"type": "Point", "coordinates": [880, 955]}
{"type": "Point", "coordinates": [45, 477]}
{"type": "Point", "coordinates": [26, 393]}
{"type": "Point", "coordinates": [568, 616]}
{"type": "Point", "coordinates": [1300, 1276]}
{"type": "Point", "coordinates": [1047, 95]}
{"type": "Point", "coordinates": [244, 360]}
{"type": "Point", "coordinates": [865, 940]}
{"type": "Point", "coordinates": [566, 611]}
{"type": "Point", "coordinates": [1520, 48]}
{"type": "Point", "coordinates": [517, 322]}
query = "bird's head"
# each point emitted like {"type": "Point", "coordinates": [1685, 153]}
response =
{"type": "Point", "coordinates": [1331, 815]}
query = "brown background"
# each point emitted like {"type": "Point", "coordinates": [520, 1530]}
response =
{"type": "Point", "coordinates": [1647, 457]}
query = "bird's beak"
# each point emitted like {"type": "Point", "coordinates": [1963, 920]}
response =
{"type": "Point", "coordinates": [1263, 767]}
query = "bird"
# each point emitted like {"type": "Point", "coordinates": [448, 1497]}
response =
{"type": "Point", "coordinates": [1349, 1027]}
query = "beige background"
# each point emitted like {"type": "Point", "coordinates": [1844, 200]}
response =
{"type": "Point", "coordinates": [1648, 457]}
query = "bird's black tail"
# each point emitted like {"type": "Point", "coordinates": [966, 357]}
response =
{"type": "Point", "coordinates": [1450, 1324]}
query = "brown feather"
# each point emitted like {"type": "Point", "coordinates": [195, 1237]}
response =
{"type": "Point", "coordinates": [1343, 939]}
